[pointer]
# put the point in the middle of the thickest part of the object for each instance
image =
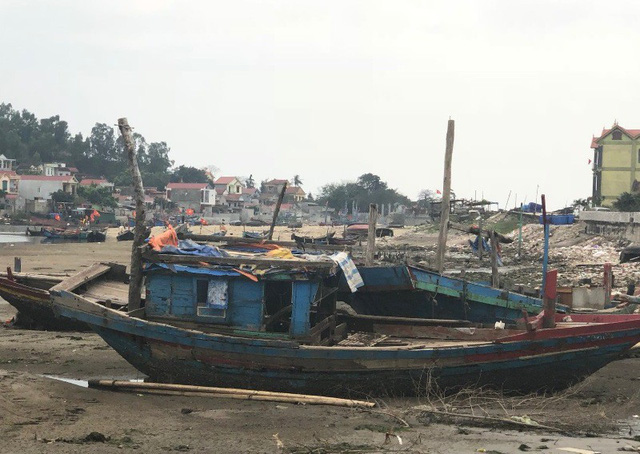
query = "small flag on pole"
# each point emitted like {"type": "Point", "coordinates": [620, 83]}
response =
{"type": "Point", "coordinates": [438, 191]}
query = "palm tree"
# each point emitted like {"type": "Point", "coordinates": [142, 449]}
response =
{"type": "Point", "coordinates": [296, 180]}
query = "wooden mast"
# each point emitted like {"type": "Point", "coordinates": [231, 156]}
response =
{"type": "Point", "coordinates": [135, 280]}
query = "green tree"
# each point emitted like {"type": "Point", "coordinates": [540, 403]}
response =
{"type": "Point", "coordinates": [97, 195]}
{"type": "Point", "coordinates": [186, 174]}
{"type": "Point", "coordinates": [627, 202]}
{"type": "Point", "coordinates": [369, 188]}
{"type": "Point", "coordinates": [61, 196]}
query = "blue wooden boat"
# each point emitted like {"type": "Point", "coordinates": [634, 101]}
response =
{"type": "Point", "coordinates": [209, 321]}
{"type": "Point", "coordinates": [417, 292]}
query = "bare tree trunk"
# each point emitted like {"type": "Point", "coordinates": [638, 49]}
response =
{"type": "Point", "coordinates": [371, 237]}
{"type": "Point", "coordinates": [277, 211]}
{"type": "Point", "coordinates": [446, 198]}
{"type": "Point", "coordinates": [135, 281]}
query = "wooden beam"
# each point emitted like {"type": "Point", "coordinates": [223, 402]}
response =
{"type": "Point", "coordinates": [277, 211]}
{"type": "Point", "coordinates": [135, 282]}
{"type": "Point", "coordinates": [446, 198]}
{"type": "Point", "coordinates": [371, 235]}
{"type": "Point", "coordinates": [75, 281]}
{"type": "Point", "coordinates": [235, 261]}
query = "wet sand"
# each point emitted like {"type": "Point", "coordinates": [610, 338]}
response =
{"type": "Point", "coordinates": [39, 414]}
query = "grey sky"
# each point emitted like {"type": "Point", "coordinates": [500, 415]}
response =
{"type": "Point", "coordinates": [333, 89]}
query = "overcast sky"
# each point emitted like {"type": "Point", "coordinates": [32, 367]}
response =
{"type": "Point", "coordinates": [330, 90]}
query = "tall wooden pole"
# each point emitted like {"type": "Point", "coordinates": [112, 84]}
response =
{"type": "Point", "coordinates": [480, 239]}
{"type": "Point", "coordinates": [277, 211]}
{"type": "Point", "coordinates": [135, 279]}
{"type": "Point", "coordinates": [371, 236]}
{"type": "Point", "coordinates": [446, 198]}
{"type": "Point", "coordinates": [495, 280]}
{"type": "Point", "coordinates": [545, 256]}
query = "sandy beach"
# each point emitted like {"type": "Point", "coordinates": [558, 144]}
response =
{"type": "Point", "coordinates": [40, 414]}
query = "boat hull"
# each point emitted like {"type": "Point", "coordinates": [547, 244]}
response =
{"type": "Point", "coordinates": [35, 309]}
{"type": "Point", "coordinates": [546, 359]}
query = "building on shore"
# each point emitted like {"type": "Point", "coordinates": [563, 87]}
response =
{"type": "Point", "coordinates": [199, 197]}
{"type": "Point", "coordinates": [616, 164]}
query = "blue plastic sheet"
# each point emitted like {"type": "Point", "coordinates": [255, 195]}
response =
{"type": "Point", "coordinates": [188, 247]}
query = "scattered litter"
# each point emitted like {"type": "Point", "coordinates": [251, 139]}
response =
{"type": "Point", "coordinates": [279, 443]}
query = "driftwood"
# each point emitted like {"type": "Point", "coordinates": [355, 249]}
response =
{"type": "Point", "coordinates": [494, 420]}
{"type": "Point", "coordinates": [230, 393]}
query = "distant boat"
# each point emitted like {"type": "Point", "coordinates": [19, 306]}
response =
{"type": "Point", "coordinates": [35, 232]}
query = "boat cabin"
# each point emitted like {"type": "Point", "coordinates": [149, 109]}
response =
{"type": "Point", "coordinates": [286, 302]}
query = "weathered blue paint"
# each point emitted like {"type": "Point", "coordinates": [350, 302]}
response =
{"type": "Point", "coordinates": [303, 294]}
{"type": "Point", "coordinates": [381, 278]}
{"type": "Point", "coordinates": [206, 358]}
{"type": "Point", "coordinates": [246, 308]}
{"type": "Point", "coordinates": [458, 298]}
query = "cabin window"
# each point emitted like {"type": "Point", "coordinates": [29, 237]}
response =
{"type": "Point", "coordinates": [212, 297]}
{"type": "Point", "coordinates": [616, 135]}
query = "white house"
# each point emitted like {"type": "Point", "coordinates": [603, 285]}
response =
{"type": "Point", "coordinates": [5, 163]}
{"type": "Point", "coordinates": [41, 186]}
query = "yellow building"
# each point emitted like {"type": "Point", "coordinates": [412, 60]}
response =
{"type": "Point", "coordinates": [616, 164]}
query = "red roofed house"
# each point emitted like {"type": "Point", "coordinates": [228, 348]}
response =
{"type": "Point", "coordinates": [616, 164]}
{"type": "Point", "coordinates": [197, 196]}
{"type": "Point", "coordinates": [228, 185]}
{"type": "Point", "coordinates": [270, 191]}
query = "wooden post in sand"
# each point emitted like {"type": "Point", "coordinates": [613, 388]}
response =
{"type": "Point", "coordinates": [135, 272]}
{"type": "Point", "coordinates": [495, 280]}
{"type": "Point", "coordinates": [446, 198]}
{"type": "Point", "coordinates": [277, 211]}
{"type": "Point", "coordinates": [371, 234]}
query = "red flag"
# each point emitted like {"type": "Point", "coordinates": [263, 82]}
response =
{"type": "Point", "coordinates": [203, 221]}
{"type": "Point", "coordinates": [189, 212]}
{"type": "Point", "coordinates": [438, 191]}
{"type": "Point", "coordinates": [589, 161]}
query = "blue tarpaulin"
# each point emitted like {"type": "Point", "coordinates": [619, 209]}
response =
{"type": "Point", "coordinates": [188, 247]}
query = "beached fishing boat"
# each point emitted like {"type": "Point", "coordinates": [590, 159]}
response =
{"type": "Point", "coordinates": [30, 295]}
{"type": "Point", "coordinates": [35, 232]}
{"type": "Point", "coordinates": [208, 320]}
{"type": "Point", "coordinates": [91, 236]}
